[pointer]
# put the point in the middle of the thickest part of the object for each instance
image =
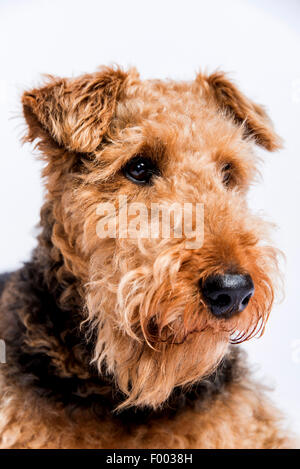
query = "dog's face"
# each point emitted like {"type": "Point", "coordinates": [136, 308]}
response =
{"type": "Point", "coordinates": [165, 310]}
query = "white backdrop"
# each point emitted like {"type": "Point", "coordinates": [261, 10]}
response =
{"type": "Point", "coordinates": [257, 41]}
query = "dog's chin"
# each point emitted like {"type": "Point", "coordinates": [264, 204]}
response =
{"type": "Point", "coordinates": [182, 351]}
{"type": "Point", "coordinates": [148, 373]}
{"type": "Point", "coordinates": [175, 365]}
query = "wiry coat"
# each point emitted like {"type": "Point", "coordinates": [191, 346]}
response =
{"type": "Point", "coordinates": [94, 325]}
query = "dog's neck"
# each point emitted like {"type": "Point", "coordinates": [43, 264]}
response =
{"type": "Point", "coordinates": [48, 352]}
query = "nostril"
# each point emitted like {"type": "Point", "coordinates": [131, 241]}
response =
{"type": "Point", "coordinates": [246, 299]}
{"type": "Point", "coordinates": [222, 300]}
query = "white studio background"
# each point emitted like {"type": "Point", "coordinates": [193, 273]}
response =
{"type": "Point", "coordinates": [257, 41]}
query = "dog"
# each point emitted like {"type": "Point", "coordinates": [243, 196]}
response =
{"type": "Point", "coordinates": [131, 341]}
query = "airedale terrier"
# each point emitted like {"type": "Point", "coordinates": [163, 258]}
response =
{"type": "Point", "coordinates": [123, 341]}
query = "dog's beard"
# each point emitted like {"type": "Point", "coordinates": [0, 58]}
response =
{"type": "Point", "coordinates": [154, 330]}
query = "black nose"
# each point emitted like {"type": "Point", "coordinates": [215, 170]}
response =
{"type": "Point", "coordinates": [227, 294]}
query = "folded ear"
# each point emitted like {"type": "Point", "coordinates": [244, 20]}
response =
{"type": "Point", "coordinates": [74, 112]}
{"type": "Point", "coordinates": [229, 98]}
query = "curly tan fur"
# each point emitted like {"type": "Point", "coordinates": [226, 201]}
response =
{"type": "Point", "coordinates": [109, 341]}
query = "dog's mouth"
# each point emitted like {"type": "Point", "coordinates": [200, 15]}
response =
{"type": "Point", "coordinates": [235, 325]}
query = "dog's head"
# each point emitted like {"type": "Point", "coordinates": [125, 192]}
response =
{"type": "Point", "coordinates": [147, 184]}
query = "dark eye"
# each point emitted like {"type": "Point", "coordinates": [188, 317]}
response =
{"type": "Point", "coordinates": [140, 170]}
{"type": "Point", "coordinates": [227, 170]}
